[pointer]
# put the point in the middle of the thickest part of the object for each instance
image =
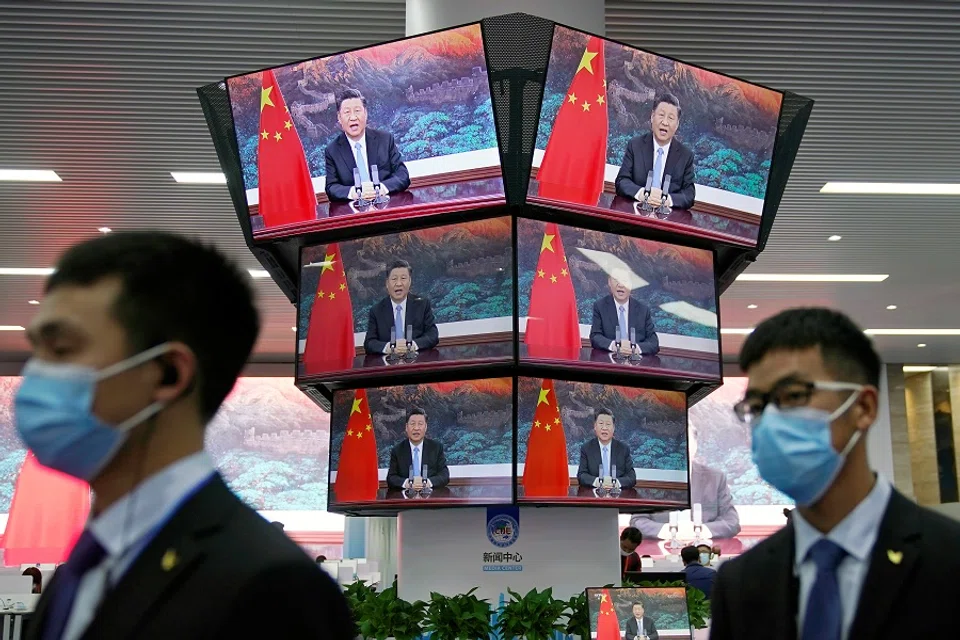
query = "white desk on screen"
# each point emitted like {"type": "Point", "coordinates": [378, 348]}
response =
{"type": "Point", "coordinates": [13, 607]}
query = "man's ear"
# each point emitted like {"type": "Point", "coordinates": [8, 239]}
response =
{"type": "Point", "coordinates": [178, 373]}
{"type": "Point", "coordinates": [867, 407]}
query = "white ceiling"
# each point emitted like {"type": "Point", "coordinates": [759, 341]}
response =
{"type": "Point", "coordinates": [103, 93]}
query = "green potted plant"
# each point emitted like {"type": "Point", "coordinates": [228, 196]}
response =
{"type": "Point", "coordinates": [535, 616]}
{"type": "Point", "coordinates": [578, 617]}
{"type": "Point", "coordinates": [357, 593]}
{"type": "Point", "coordinates": [698, 607]}
{"type": "Point", "coordinates": [384, 615]}
{"type": "Point", "coordinates": [459, 617]}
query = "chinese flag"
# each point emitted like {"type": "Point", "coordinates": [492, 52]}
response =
{"type": "Point", "coordinates": [553, 325]}
{"type": "Point", "coordinates": [608, 628]}
{"type": "Point", "coordinates": [286, 192]}
{"type": "Point", "coordinates": [330, 345]}
{"type": "Point", "coordinates": [545, 471]}
{"type": "Point", "coordinates": [576, 154]}
{"type": "Point", "coordinates": [357, 470]}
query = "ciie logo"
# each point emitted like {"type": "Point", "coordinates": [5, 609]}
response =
{"type": "Point", "coordinates": [503, 530]}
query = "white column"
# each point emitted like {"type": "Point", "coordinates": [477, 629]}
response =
{"type": "Point", "coordinates": [430, 15]}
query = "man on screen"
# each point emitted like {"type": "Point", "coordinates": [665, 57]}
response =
{"type": "Point", "coordinates": [358, 147]}
{"type": "Point", "coordinates": [605, 457]}
{"type": "Point", "coordinates": [657, 151]}
{"type": "Point", "coordinates": [620, 310]}
{"type": "Point", "coordinates": [398, 311]}
{"type": "Point", "coordinates": [640, 626]}
{"type": "Point", "coordinates": [412, 454]}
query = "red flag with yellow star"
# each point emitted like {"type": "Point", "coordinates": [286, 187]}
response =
{"type": "Point", "coordinates": [608, 627]}
{"type": "Point", "coordinates": [576, 154]}
{"type": "Point", "coordinates": [357, 479]}
{"type": "Point", "coordinates": [330, 342]}
{"type": "Point", "coordinates": [545, 470]}
{"type": "Point", "coordinates": [553, 325]}
{"type": "Point", "coordinates": [285, 189]}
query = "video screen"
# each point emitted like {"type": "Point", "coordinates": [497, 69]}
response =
{"type": "Point", "coordinates": [615, 302]}
{"type": "Point", "coordinates": [646, 613]}
{"type": "Point", "coordinates": [583, 443]}
{"type": "Point", "coordinates": [398, 129]}
{"type": "Point", "coordinates": [428, 445]}
{"type": "Point", "coordinates": [659, 142]}
{"type": "Point", "coordinates": [425, 298]}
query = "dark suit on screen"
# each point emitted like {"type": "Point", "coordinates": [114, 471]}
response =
{"type": "Point", "coordinates": [606, 319]}
{"type": "Point", "coordinates": [229, 562]}
{"type": "Point", "coordinates": [401, 457]}
{"type": "Point", "coordinates": [419, 314]}
{"type": "Point", "coordinates": [638, 162]}
{"type": "Point", "coordinates": [756, 594]}
{"type": "Point", "coordinates": [649, 629]}
{"type": "Point", "coordinates": [591, 460]}
{"type": "Point", "coordinates": [381, 151]}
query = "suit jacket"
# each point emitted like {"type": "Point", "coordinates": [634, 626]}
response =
{"type": "Point", "coordinates": [709, 489]}
{"type": "Point", "coordinates": [638, 162]}
{"type": "Point", "coordinates": [381, 151]}
{"type": "Point", "coordinates": [700, 577]}
{"type": "Point", "coordinates": [606, 319]}
{"type": "Point", "coordinates": [432, 455]}
{"type": "Point", "coordinates": [229, 562]}
{"type": "Point", "coordinates": [649, 628]}
{"type": "Point", "coordinates": [755, 595]}
{"type": "Point", "coordinates": [419, 314]}
{"type": "Point", "coordinates": [591, 459]}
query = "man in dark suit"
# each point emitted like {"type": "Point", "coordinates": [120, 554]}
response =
{"type": "Point", "coordinates": [696, 574]}
{"type": "Point", "coordinates": [415, 451]}
{"type": "Point", "coordinates": [640, 626]}
{"type": "Point", "coordinates": [620, 310]}
{"type": "Point", "coordinates": [599, 456]}
{"type": "Point", "coordinates": [397, 311]}
{"type": "Point", "coordinates": [129, 366]}
{"type": "Point", "coordinates": [857, 559]}
{"type": "Point", "coordinates": [659, 152]}
{"type": "Point", "coordinates": [358, 147]}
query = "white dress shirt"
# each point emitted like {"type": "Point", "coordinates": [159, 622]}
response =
{"type": "Point", "coordinates": [353, 195]}
{"type": "Point", "coordinates": [417, 472]}
{"type": "Point", "coordinates": [856, 534]}
{"type": "Point", "coordinates": [639, 627]}
{"type": "Point", "coordinates": [626, 315]}
{"type": "Point", "coordinates": [127, 527]}
{"type": "Point", "coordinates": [393, 321]}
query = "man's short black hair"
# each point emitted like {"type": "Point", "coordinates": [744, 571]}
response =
{"type": "Point", "coordinates": [847, 351]}
{"type": "Point", "coordinates": [416, 411]}
{"type": "Point", "coordinates": [632, 534]}
{"type": "Point", "coordinates": [690, 554]}
{"type": "Point", "coordinates": [638, 603]}
{"type": "Point", "coordinates": [669, 98]}
{"type": "Point", "coordinates": [399, 264]}
{"type": "Point", "coordinates": [603, 411]}
{"type": "Point", "coordinates": [348, 94]}
{"type": "Point", "coordinates": [173, 289]}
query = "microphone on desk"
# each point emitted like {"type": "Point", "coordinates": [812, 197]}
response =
{"type": "Point", "coordinates": [663, 209]}
{"type": "Point", "coordinates": [356, 182]}
{"type": "Point", "coordinates": [375, 178]}
{"type": "Point", "coordinates": [645, 203]}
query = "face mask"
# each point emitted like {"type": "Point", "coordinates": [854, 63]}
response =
{"type": "Point", "coordinates": [704, 559]}
{"type": "Point", "coordinates": [793, 451]}
{"type": "Point", "coordinates": [53, 411]}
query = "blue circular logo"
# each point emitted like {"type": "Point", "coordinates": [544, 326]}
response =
{"type": "Point", "coordinates": [503, 530]}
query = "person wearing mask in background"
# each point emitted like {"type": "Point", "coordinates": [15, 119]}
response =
{"type": "Point", "coordinates": [857, 558]}
{"type": "Point", "coordinates": [697, 573]}
{"type": "Point", "coordinates": [130, 362]}
{"type": "Point", "coordinates": [630, 539]}
{"type": "Point", "coordinates": [707, 554]}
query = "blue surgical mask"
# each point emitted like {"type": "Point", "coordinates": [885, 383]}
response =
{"type": "Point", "coordinates": [53, 411]}
{"type": "Point", "coordinates": [704, 559]}
{"type": "Point", "coordinates": [793, 447]}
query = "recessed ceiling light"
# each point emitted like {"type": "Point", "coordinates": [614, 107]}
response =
{"type": "Point", "coordinates": [737, 332]}
{"type": "Point", "coordinates": [922, 345]}
{"type": "Point", "coordinates": [891, 307]}
{"type": "Point", "coordinates": [835, 238]}
{"type": "Point", "coordinates": [198, 177]}
{"type": "Point", "coordinates": [918, 368]}
{"type": "Point", "coordinates": [259, 273]}
{"type": "Point", "coordinates": [29, 175]}
{"type": "Point", "coordinates": [10, 327]}
{"type": "Point", "coordinates": [104, 229]}
{"type": "Point", "coordinates": [751, 306]}
{"type": "Point", "coordinates": [812, 277]}
{"type": "Point", "coordinates": [894, 188]}
{"type": "Point", "coordinates": [33, 302]}
{"type": "Point", "coordinates": [293, 328]}
{"type": "Point", "coordinates": [25, 271]}
{"type": "Point", "coordinates": [912, 332]}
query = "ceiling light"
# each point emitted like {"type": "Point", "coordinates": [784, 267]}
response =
{"type": "Point", "coordinates": [33, 302]}
{"type": "Point", "coordinates": [812, 277]}
{"type": "Point", "coordinates": [894, 188]}
{"type": "Point", "coordinates": [25, 271]}
{"type": "Point", "coordinates": [104, 229]}
{"type": "Point", "coordinates": [293, 328]}
{"type": "Point", "coordinates": [737, 332]}
{"type": "Point", "coordinates": [918, 368]}
{"type": "Point", "coordinates": [10, 327]}
{"type": "Point", "coordinates": [259, 273]}
{"type": "Point", "coordinates": [912, 332]}
{"type": "Point", "coordinates": [891, 307]}
{"type": "Point", "coordinates": [29, 175]}
{"type": "Point", "coordinates": [922, 345]}
{"type": "Point", "coordinates": [198, 177]}
{"type": "Point", "coordinates": [835, 238]}
{"type": "Point", "coordinates": [751, 306]}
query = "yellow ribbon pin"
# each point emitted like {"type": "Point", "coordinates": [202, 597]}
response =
{"type": "Point", "coordinates": [894, 556]}
{"type": "Point", "coordinates": [169, 560]}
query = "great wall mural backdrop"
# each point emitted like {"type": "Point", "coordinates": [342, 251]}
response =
{"type": "Point", "coordinates": [430, 92]}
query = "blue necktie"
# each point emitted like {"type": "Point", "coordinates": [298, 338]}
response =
{"type": "Point", "coordinates": [606, 461]}
{"type": "Point", "coordinates": [416, 461]}
{"type": "Point", "coordinates": [398, 323]}
{"type": "Point", "coordinates": [624, 333]}
{"type": "Point", "coordinates": [86, 554]}
{"type": "Point", "coordinates": [823, 619]}
{"type": "Point", "coordinates": [657, 169]}
{"type": "Point", "coordinates": [362, 163]}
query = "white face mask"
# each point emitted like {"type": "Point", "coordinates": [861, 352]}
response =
{"type": "Point", "coordinates": [704, 559]}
